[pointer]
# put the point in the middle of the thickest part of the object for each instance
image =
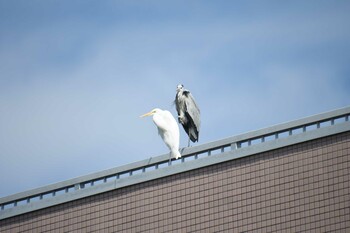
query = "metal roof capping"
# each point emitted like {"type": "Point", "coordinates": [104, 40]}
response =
{"type": "Point", "coordinates": [274, 137]}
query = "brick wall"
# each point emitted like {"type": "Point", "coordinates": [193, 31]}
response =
{"type": "Point", "coordinates": [300, 188]}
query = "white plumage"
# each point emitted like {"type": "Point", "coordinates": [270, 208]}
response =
{"type": "Point", "coordinates": [168, 129]}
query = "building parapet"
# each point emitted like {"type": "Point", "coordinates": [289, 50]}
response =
{"type": "Point", "coordinates": [207, 154]}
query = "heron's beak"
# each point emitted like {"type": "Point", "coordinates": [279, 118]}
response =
{"type": "Point", "coordinates": [147, 114]}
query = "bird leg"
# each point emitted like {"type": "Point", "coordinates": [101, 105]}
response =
{"type": "Point", "coordinates": [169, 163]}
{"type": "Point", "coordinates": [189, 141]}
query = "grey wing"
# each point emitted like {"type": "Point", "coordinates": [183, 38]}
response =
{"type": "Point", "coordinates": [193, 110]}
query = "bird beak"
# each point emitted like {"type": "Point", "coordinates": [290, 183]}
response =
{"type": "Point", "coordinates": [147, 114]}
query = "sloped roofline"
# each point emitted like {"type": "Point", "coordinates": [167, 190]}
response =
{"type": "Point", "coordinates": [247, 144]}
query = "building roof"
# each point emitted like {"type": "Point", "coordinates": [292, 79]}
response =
{"type": "Point", "coordinates": [247, 144]}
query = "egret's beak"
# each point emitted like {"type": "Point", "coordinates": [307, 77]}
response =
{"type": "Point", "coordinates": [147, 114]}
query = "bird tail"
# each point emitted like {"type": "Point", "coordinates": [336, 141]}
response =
{"type": "Point", "coordinates": [175, 154]}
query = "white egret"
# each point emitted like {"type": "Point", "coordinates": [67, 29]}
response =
{"type": "Point", "coordinates": [168, 129]}
{"type": "Point", "coordinates": [188, 113]}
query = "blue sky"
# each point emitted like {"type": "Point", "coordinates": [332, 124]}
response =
{"type": "Point", "coordinates": [76, 75]}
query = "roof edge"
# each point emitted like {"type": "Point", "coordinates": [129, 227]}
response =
{"type": "Point", "coordinates": [250, 143]}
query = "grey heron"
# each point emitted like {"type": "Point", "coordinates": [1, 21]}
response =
{"type": "Point", "coordinates": [188, 113]}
